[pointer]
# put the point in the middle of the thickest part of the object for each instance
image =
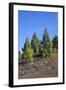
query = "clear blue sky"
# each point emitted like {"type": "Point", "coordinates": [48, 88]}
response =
{"type": "Point", "coordinates": [33, 21]}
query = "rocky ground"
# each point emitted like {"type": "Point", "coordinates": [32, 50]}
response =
{"type": "Point", "coordinates": [40, 68]}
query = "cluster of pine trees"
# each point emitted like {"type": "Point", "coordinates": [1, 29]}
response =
{"type": "Point", "coordinates": [44, 47]}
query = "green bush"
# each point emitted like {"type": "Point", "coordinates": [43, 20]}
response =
{"type": "Point", "coordinates": [55, 50]}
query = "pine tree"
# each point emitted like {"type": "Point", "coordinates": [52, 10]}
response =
{"type": "Point", "coordinates": [47, 44]}
{"type": "Point", "coordinates": [27, 51]}
{"type": "Point", "coordinates": [19, 56]}
{"type": "Point", "coordinates": [55, 44]}
{"type": "Point", "coordinates": [35, 44]}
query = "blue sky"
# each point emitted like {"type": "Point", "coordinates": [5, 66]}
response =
{"type": "Point", "coordinates": [34, 21]}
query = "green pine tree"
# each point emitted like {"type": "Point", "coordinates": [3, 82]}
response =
{"type": "Point", "coordinates": [35, 44]}
{"type": "Point", "coordinates": [27, 51]}
{"type": "Point", "coordinates": [47, 44]}
{"type": "Point", "coordinates": [19, 56]}
{"type": "Point", "coordinates": [55, 44]}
